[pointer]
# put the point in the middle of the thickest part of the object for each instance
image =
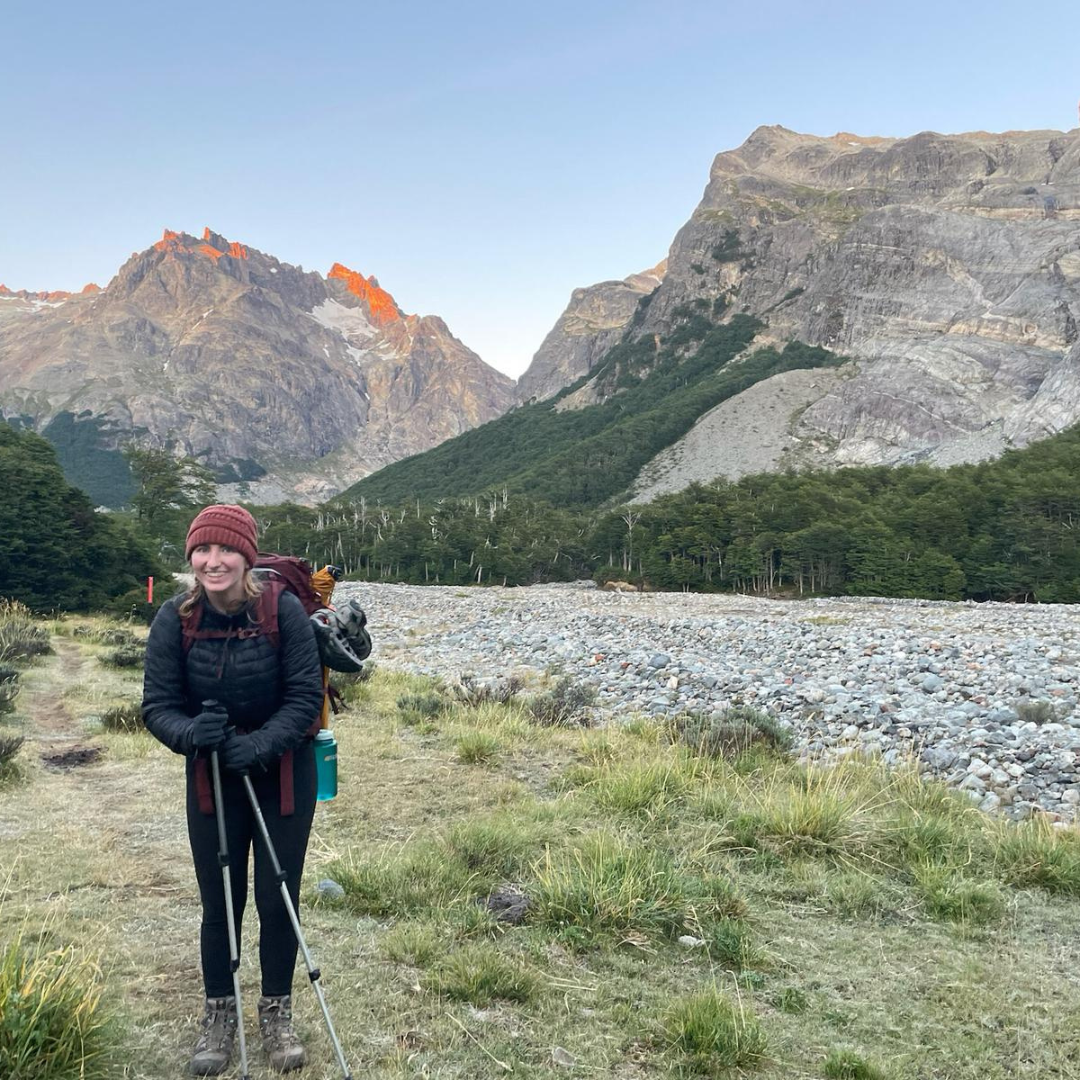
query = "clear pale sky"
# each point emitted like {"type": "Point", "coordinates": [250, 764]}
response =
{"type": "Point", "coordinates": [481, 159]}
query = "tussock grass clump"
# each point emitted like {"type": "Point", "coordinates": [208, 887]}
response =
{"type": "Point", "coordinates": [415, 943]}
{"type": "Point", "coordinates": [844, 1063]}
{"type": "Point", "coordinates": [53, 1023]}
{"type": "Point", "coordinates": [20, 637]}
{"type": "Point", "coordinates": [401, 881]}
{"type": "Point", "coordinates": [948, 895]}
{"type": "Point", "coordinates": [567, 704]}
{"type": "Point", "coordinates": [9, 691]}
{"type": "Point", "coordinates": [10, 744]}
{"type": "Point", "coordinates": [126, 718]}
{"type": "Point", "coordinates": [640, 786]}
{"type": "Point", "coordinates": [607, 883]}
{"type": "Point", "coordinates": [730, 943]}
{"type": "Point", "coordinates": [792, 1000]}
{"type": "Point", "coordinates": [857, 894]}
{"type": "Point", "coordinates": [479, 973]}
{"type": "Point", "coordinates": [478, 748]}
{"type": "Point", "coordinates": [708, 1031]}
{"type": "Point", "coordinates": [1034, 853]}
{"type": "Point", "coordinates": [730, 733]}
{"type": "Point", "coordinates": [499, 847]}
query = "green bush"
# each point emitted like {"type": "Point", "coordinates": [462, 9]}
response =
{"type": "Point", "coordinates": [730, 733]}
{"type": "Point", "coordinates": [418, 708]}
{"type": "Point", "coordinates": [132, 607]}
{"type": "Point", "coordinates": [566, 704]}
{"type": "Point", "coordinates": [127, 656]}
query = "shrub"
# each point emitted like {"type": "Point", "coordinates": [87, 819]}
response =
{"type": "Point", "coordinates": [478, 748]}
{"type": "Point", "coordinates": [53, 1025]}
{"type": "Point", "coordinates": [1036, 712]}
{"type": "Point", "coordinates": [729, 733]}
{"type": "Point", "coordinates": [418, 708]}
{"type": "Point", "coordinates": [132, 607]}
{"type": "Point", "coordinates": [473, 692]}
{"type": "Point", "coordinates": [20, 638]}
{"type": "Point", "coordinates": [479, 973]}
{"type": "Point", "coordinates": [125, 718]}
{"type": "Point", "coordinates": [127, 656]}
{"type": "Point", "coordinates": [566, 704]}
{"type": "Point", "coordinates": [843, 1063]}
{"type": "Point", "coordinates": [709, 1032]}
{"type": "Point", "coordinates": [114, 635]}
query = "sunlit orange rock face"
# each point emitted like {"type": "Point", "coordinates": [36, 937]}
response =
{"type": "Point", "coordinates": [173, 242]}
{"type": "Point", "coordinates": [90, 288]}
{"type": "Point", "coordinates": [381, 304]}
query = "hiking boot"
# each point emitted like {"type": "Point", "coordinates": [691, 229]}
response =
{"type": "Point", "coordinates": [279, 1040]}
{"type": "Point", "coordinates": [214, 1048]}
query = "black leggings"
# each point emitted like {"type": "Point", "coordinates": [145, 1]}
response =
{"type": "Point", "coordinates": [277, 942]}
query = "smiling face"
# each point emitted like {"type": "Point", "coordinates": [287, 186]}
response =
{"type": "Point", "coordinates": [219, 569]}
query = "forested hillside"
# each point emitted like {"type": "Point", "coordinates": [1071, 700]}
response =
{"type": "Point", "coordinates": [653, 390]}
{"type": "Point", "coordinates": [1001, 530]}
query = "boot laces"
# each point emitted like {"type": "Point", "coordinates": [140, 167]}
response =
{"type": "Point", "coordinates": [218, 1024]}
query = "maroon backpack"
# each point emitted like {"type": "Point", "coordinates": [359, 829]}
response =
{"type": "Point", "coordinates": [278, 574]}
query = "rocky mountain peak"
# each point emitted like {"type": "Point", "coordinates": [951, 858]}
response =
{"type": "Point", "coordinates": [290, 383]}
{"type": "Point", "coordinates": [381, 306]}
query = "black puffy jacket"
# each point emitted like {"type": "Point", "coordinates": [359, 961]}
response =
{"type": "Point", "coordinates": [273, 692]}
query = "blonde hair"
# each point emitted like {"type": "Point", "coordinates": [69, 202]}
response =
{"type": "Point", "coordinates": [196, 594]}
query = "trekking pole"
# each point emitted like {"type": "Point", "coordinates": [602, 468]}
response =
{"type": "Point", "coordinates": [313, 972]}
{"type": "Point", "coordinates": [230, 915]}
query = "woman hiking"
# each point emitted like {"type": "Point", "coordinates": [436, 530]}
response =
{"type": "Point", "coordinates": [219, 679]}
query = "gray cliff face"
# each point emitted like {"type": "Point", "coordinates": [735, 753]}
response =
{"type": "Point", "coordinates": [293, 382]}
{"type": "Point", "coordinates": [593, 321]}
{"type": "Point", "coordinates": [947, 267]}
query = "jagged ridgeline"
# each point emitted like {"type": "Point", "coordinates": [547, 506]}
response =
{"type": "Point", "coordinates": [649, 391]}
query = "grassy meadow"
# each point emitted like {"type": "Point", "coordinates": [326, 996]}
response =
{"type": "Point", "coordinates": [527, 896]}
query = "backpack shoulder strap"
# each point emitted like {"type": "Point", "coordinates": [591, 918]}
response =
{"type": "Point", "coordinates": [266, 608]}
{"type": "Point", "coordinates": [189, 627]}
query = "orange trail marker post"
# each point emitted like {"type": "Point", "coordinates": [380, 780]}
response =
{"type": "Point", "coordinates": [149, 590]}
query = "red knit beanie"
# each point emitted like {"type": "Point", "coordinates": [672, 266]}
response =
{"type": "Point", "coordinates": [224, 524]}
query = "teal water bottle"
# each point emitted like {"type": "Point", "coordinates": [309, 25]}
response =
{"type": "Point", "coordinates": [326, 764]}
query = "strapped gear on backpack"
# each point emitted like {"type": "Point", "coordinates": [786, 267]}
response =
{"type": "Point", "coordinates": [344, 642]}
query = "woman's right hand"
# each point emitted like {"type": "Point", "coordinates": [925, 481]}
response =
{"type": "Point", "coordinates": [208, 734]}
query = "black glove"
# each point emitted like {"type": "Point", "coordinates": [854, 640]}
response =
{"type": "Point", "coordinates": [208, 734]}
{"type": "Point", "coordinates": [240, 753]}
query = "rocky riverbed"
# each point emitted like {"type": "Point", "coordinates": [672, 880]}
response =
{"type": "Point", "coordinates": [983, 695]}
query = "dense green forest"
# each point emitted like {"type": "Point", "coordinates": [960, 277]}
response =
{"type": "Point", "coordinates": [582, 458]}
{"type": "Point", "coordinates": [1002, 530]}
{"type": "Point", "coordinates": [55, 550]}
